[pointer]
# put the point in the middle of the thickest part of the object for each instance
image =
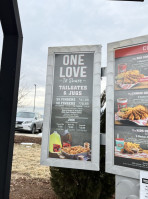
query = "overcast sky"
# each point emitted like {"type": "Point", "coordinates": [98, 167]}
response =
{"type": "Point", "coordinates": [72, 22]}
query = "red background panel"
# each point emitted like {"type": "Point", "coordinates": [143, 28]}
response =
{"type": "Point", "coordinates": [133, 50]}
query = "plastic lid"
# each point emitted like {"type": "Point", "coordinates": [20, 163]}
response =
{"type": "Point", "coordinates": [121, 139]}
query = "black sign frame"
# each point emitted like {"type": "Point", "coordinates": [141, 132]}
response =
{"type": "Point", "coordinates": [9, 82]}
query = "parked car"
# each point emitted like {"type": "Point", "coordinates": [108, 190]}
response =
{"type": "Point", "coordinates": [29, 121]}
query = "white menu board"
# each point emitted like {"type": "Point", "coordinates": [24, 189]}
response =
{"type": "Point", "coordinates": [71, 127]}
{"type": "Point", "coordinates": [127, 107]}
{"type": "Point", "coordinates": [143, 185]}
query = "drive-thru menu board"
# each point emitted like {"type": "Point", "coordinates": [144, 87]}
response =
{"type": "Point", "coordinates": [131, 107]}
{"type": "Point", "coordinates": [72, 126]}
{"type": "Point", "coordinates": [71, 118]}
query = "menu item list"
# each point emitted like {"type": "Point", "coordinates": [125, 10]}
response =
{"type": "Point", "coordinates": [131, 107]}
{"type": "Point", "coordinates": [71, 120]}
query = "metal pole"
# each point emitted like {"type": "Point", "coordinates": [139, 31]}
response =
{"type": "Point", "coordinates": [127, 188]}
{"type": "Point", "coordinates": [34, 98]}
{"type": "Point", "coordinates": [9, 82]}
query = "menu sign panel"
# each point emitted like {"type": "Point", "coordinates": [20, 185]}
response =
{"type": "Point", "coordinates": [71, 129]}
{"type": "Point", "coordinates": [131, 107]}
{"type": "Point", "coordinates": [143, 185]}
{"type": "Point", "coordinates": [71, 119]}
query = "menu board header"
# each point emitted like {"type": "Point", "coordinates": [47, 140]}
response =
{"type": "Point", "coordinates": [133, 50]}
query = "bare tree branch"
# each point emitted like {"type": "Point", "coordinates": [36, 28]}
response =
{"type": "Point", "coordinates": [23, 92]}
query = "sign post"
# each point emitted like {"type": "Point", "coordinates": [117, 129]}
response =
{"type": "Point", "coordinates": [71, 131]}
{"type": "Point", "coordinates": [9, 82]}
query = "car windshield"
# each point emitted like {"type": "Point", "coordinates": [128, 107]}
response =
{"type": "Point", "coordinates": [25, 114]}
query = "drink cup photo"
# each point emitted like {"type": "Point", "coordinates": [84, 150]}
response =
{"type": "Point", "coordinates": [119, 143]}
{"type": "Point", "coordinates": [121, 103]}
{"type": "Point", "coordinates": [122, 68]}
{"type": "Point", "coordinates": [87, 145]}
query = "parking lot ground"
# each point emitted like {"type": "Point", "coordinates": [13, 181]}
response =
{"type": "Point", "coordinates": [29, 179]}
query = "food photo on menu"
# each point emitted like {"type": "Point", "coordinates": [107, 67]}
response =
{"type": "Point", "coordinates": [138, 115]}
{"type": "Point", "coordinates": [130, 150]}
{"type": "Point", "coordinates": [131, 68]}
{"type": "Point", "coordinates": [60, 146]}
{"type": "Point", "coordinates": [130, 79]}
{"type": "Point", "coordinates": [131, 108]}
{"type": "Point", "coordinates": [131, 143]}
